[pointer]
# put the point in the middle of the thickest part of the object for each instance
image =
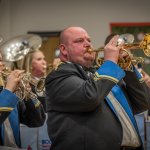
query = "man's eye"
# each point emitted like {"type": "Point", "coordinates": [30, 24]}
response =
{"type": "Point", "coordinates": [79, 41]}
{"type": "Point", "coordinates": [89, 41]}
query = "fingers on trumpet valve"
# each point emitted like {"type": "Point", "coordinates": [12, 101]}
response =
{"type": "Point", "coordinates": [18, 73]}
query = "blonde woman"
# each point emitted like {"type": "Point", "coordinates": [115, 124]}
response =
{"type": "Point", "coordinates": [35, 64]}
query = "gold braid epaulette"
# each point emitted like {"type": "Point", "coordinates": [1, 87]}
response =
{"type": "Point", "coordinates": [56, 67]}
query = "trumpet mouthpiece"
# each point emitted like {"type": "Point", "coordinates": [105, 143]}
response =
{"type": "Point", "coordinates": [90, 49]}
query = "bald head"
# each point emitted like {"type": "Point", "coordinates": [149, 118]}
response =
{"type": "Point", "coordinates": [67, 32]}
{"type": "Point", "coordinates": [74, 42]}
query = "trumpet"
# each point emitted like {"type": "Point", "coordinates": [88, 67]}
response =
{"type": "Point", "coordinates": [125, 63]}
{"type": "Point", "coordinates": [26, 80]}
{"type": "Point", "coordinates": [38, 84]}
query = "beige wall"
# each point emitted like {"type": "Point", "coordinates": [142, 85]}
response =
{"type": "Point", "coordinates": [20, 16]}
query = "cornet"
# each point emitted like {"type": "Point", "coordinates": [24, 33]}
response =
{"type": "Point", "coordinates": [26, 80]}
{"type": "Point", "coordinates": [125, 63]}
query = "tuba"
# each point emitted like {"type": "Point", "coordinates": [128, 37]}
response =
{"type": "Point", "coordinates": [16, 48]}
{"type": "Point", "coordinates": [128, 46]}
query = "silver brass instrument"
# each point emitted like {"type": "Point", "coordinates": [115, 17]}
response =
{"type": "Point", "coordinates": [16, 48]}
{"type": "Point", "coordinates": [125, 63]}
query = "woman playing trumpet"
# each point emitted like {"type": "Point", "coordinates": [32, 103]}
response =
{"type": "Point", "coordinates": [35, 64]}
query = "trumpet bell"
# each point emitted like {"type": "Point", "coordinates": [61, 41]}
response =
{"type": "Point", "coordinates": [145, 44]}
{"type": "Point", "coordinates": [128, 39]}
{"type": "Point", "coordinates": [16, 48]}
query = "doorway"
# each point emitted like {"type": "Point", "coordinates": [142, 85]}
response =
{"type": "Point", "coordinates": [50, 42]}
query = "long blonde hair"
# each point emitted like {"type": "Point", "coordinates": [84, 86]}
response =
{"type": "Point", "coordinates": [26, 65]}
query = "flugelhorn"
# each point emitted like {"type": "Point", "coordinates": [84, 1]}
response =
{"type": "Point", "coordinates": [128, 46]}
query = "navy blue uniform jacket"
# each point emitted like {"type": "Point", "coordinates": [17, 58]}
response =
{"type": "Point", "coordinates": [79, 118]}
{"type": "Point", "coordinates": [30, 113]}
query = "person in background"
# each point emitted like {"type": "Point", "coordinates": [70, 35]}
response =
{"type": "Point", "coordinates": [96, 111]}
{"type": "Point", "coordinates": [145, 75]}
{"type": "Point", "coordinates": [35, 64]}
{"type": "Point", "coordinates": [146, 78]}
{"type": "Point", "coordinates": [14, 111]}
{"type": "Point", "coordinates": [144, 117]}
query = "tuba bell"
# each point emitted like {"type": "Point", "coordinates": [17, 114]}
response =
{"type": "Point", "coordinates": [16, 48]}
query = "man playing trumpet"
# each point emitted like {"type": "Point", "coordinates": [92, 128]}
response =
{"type": "Point", "coordinates": [93, 114]}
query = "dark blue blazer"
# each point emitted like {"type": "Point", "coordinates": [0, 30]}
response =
{"type": "Point", "coordinates": [79, 117]}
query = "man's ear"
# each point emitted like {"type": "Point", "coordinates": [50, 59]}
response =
{"type": "Point", "coordinates": [63, 49]}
